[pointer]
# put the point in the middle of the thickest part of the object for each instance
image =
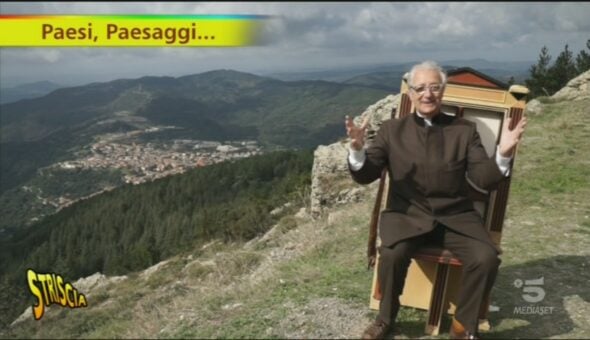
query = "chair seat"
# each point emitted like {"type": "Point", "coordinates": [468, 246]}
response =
{"type": "Point", "coordinates": [436, 254]}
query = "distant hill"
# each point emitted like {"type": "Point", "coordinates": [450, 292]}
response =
{"type": "Point", "coordinates": [342, 74]}
{"type": "Point", "coordinates": [26, 91]}
{"type": "Point", "coordinates": [391, 80]}
{"type": "Point", "coordinates": [215, 105]}
{"type": "Point", "coordinates": [224, 96]}
{"type": "Point", "coordinates": [502, 70]}
{"type": "Point", "coordinates": [388, 81]}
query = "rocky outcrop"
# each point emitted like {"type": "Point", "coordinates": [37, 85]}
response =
{"type": "Point", "coordinates": [331, 183]}
{"type": "Point", "coordinates": [95, 281]}
{"type": "Point", "coordinates": [534, 107]}
{"type": "Point", "coordinates": [576, 89]}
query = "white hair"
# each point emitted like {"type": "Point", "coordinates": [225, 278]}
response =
{"type": "Point", "coordinates": [427, 65]}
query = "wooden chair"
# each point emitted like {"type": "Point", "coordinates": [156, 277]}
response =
{"type": "Point", "coordinates": [434, 274]}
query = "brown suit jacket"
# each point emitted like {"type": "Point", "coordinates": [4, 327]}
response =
{"type": "Point", "coordinates": [427, 170]}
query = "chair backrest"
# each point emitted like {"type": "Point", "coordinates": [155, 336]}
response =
{"type": "Point", "coordinates": [487, 102]}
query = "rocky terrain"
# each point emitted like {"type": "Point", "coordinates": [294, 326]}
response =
{"type": "Point", "coordinates": [576, 89]}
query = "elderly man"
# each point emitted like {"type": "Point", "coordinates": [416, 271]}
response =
{"type": "Point", "coordinates": [427, 154]}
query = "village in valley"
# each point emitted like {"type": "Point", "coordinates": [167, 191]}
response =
{"type": "Point", "coordinates": [146, 161]}
{"type": "Point", "coordinates": [140, 161]}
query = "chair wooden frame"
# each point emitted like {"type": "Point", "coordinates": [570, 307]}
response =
{"type": "Point", "coordinates": [488, 102]}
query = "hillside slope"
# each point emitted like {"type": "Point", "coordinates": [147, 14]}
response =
{"type": "Point", "coordinates": [308, 278]}
{"type": "Point", "coordinates": [133, 227]}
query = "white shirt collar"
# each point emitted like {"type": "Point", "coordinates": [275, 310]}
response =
{"type": "Point", "coordinates": [428, 120]}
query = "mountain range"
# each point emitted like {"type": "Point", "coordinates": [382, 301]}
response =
{"type": "Point", "coordinates": [500, 70]}
{"type": "Point", "coordinates": [41, 137]}
{"type": "Point", "coordinates": [215, 105]}
{"type": "Point", "coordinates": [25, 91]}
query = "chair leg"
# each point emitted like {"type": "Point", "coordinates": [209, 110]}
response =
{"type": "Point", "coordinates": [376, 295]}
{"type": "Point", "coordinates": [437, 300]}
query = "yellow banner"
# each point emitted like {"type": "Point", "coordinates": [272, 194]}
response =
{"type": "Point", "coordinates": [130, 30]}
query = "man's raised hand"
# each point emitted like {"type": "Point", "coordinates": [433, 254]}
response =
{"type": "Point", "coordinates": [356, 133]}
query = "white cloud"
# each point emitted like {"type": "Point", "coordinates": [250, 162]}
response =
{"type": "Point", "coordinates": [315, 35]}
{"type": "Point", "coordinates": [43, 56]}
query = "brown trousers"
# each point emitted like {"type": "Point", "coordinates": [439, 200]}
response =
{"type": "Point", "coordinates": [480, 266]}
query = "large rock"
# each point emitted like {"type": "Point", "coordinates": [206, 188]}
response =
{"type": "Point", "coordinates": [534, 107]}
{"type": "Point", "coordinates": [331, 183]}
{"type": "Point", "coordinates": [329, 176]}
{"type": "Point", "coordinates": [576, 89]}
{"type": "Point", "coordinates": [379, 112]}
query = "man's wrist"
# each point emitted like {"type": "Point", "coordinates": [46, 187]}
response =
{"type": "Point", "coordinates": [356, 158]}
{"type": "Point", "coordinates": [503, 162]}
{"type": "Point", "coordinates": [504, 154]}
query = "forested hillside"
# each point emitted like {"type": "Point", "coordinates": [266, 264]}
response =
{"type": "Point", "coordinates": [133, 227]}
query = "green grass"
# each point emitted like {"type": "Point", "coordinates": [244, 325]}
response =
{"type": "Point", "coordinates": [546, 232]}
{"type": "Point", "coordinates": [551, 158]}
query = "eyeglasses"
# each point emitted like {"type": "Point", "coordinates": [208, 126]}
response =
{"type": "Point", "coordinates": [434, 88]}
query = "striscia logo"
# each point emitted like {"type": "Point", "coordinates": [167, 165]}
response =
{"type": "Point", "coordinates": [51, 289]}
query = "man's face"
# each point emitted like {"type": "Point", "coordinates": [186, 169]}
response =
{"type": "Point", "coordinates": [428, 102]}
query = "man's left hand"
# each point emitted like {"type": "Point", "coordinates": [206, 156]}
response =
{"type": "Point", "coordinates": [510, 138]}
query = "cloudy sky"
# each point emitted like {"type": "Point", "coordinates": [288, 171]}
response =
{"type": "Point", "coordinates": [311, 36]}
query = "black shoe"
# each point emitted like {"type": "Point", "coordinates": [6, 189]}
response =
{"type": "Point", "coordinates": [376, 330]}
{"type": "Point", "coordinates": [459, 332]}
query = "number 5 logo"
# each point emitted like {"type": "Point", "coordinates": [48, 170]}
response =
{"type": "Point", "coordinates": [533, 293]}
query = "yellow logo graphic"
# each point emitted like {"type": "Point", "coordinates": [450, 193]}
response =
{"type": "Point", "coordinates": [131, 30]}
{"type": "Point", "coordinates": [50, 288]}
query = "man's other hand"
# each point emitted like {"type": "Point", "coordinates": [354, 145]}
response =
{"type": "Point", "coordinates": [355, 133]}
{"type": "Point", "coordinates": [510, 138]}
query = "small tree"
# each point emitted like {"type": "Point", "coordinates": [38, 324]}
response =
{"type": "Point", "coordinates": [538, 82]}
{"type": "Point", "coordinates": [583, 60]}
{"type": "Point", "coordinates": [562, 71]}
{"type": "Point", "coordinates": [546, 80]}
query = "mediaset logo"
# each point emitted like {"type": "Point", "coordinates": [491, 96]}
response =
{"type": "Point", "coordinates": [533, 292]}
